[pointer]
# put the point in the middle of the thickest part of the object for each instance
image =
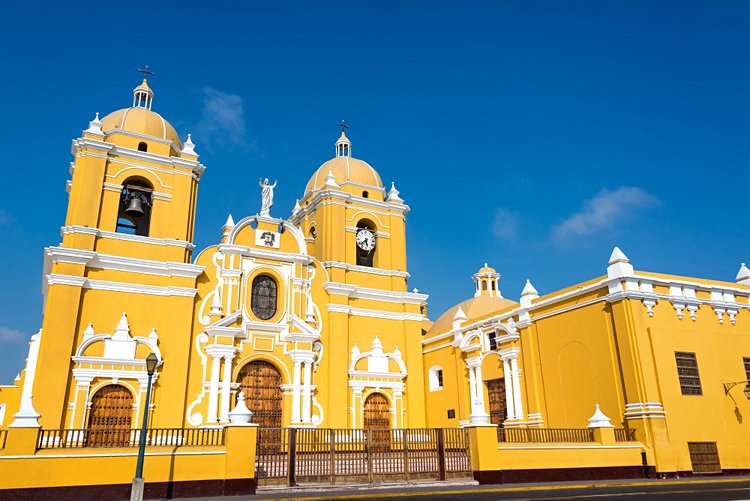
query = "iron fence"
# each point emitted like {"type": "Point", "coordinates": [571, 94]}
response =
{"type": "Point", "coordinates": [545, 435]}
{"type": "Point", "coordinates": [175, 437]}
{"type": "Point", "coordinates": [624, 435]}
{"type": "Point", "coordinates": [289, 456]}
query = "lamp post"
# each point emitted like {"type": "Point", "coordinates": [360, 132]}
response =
{"type": "Point", "coordinates": [729, 386]}
{"type": "Point", "coordinates": [136, 492]}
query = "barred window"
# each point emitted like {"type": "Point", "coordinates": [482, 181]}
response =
{"type": "Point", "coordinates": [746, 361]}
{"type": "Point", "coordinates": [264, 297]}
{"type": "Point", "coordinates": [687, 370]}
{"type": "Point", "coordinates": [492, 337]}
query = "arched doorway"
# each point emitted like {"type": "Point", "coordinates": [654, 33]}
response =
{"type": "Point", "coordinates": [377, 413]}
{"type": "Point", "coordinates": [260, 381]}
{"type": "Point", "coordinates": [110, 416]}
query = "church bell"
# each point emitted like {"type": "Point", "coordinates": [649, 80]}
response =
{"type": "Point", "coordinates": [135, 208]}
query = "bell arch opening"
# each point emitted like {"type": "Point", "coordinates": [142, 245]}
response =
{"type": "Point", "coordinates": [134, 212]}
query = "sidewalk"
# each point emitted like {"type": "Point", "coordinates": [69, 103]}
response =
{"type": "Point", "coordinates": [328, 492]}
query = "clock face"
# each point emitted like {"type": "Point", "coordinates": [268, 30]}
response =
{"type": "Point", "coordinates": [365, 240]}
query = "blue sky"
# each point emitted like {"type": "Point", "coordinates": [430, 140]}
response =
{"type": "Point", "coordinates": [531, 135]}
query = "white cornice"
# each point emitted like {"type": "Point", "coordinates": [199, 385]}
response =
{"type": "Point", "coordinates": [121, 263]}
{"type": "Point", "coordinates": [364, 312]}
{"type": "Point", "coordinates": [68, 230]}
{"type": "Point", "coordinates": [319, 198]}
{"type": "Point", "coordinates": [356, 292]}
{"type": "Point", "coordinates": [87, 283]}
{"type": "Point", "coordinates": [365, 269]}
{"type": "Point", "coordinates": [253, 252]}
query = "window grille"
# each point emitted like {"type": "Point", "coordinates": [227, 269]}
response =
{"type": "Point", "coordinates": [746, 361]}
{"type": "Point", "coordinates": [687, 370]}
{"type": "Point", "coordinates": [264, 297]}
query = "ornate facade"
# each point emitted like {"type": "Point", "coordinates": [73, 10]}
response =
{"type": "Point", "coordinates": [311, 319]}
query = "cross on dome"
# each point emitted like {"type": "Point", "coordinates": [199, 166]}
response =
{"type": "Point", "coordinates": [343, 145]}
{"type": "Point", "coordinates": [143, 96]}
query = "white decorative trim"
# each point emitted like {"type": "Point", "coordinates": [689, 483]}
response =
{"type": "Point", "coordinates": [122, 263]}
{"type": "Point", "coordinates": [87, 283]}
{"type": "Point", "coordinates": [649, 410]}
{"type": "Point", "coordinates": [363, 312]}
{"type": "Point", "coordinates": [365, 269]}
{"type": "Point", "coordinates": [357, 292]}
{"type": "Point", "coordinates": [68, 230]}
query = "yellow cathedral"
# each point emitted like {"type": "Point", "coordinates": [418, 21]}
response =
{"type": "Point", "coordinates": [308, 322]}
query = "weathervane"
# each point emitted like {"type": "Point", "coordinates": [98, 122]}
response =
{"type": "Point", "coordinates": [146, 72]}
{"type": "Point", "coordinates": [341, 124]}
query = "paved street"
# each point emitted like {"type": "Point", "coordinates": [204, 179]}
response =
{"type": "Point", "coordinates": [711, 488]}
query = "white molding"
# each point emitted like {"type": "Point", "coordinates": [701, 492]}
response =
{"type": "Point", "coordinates": [87, 283]}
{"type": "Point", "coordinates": [363, 312]}
{"type": "Point", "coordinates": [258, 253]}
{"type": "Point", "coordinates": [68, 230]}
{"type": "Point", "coordinates": [121, 263]}
{"type": "Point", "coordinates": [365, 269]}
{"type": "Point", "coordinates": [357, 292]}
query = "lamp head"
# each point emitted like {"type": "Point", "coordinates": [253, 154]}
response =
{"type": "Point", "coordinates": [151, 362]}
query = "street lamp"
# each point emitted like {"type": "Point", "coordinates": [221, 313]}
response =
{"type": "Point", "coordinates": [136, 492]}
{"type": "Point", "coordinates": [728, 387]}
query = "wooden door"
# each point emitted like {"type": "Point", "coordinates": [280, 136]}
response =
{"type": "Point", "coordinates": [260, 381]}
{"type": "Point", "coordinates": [498, 409]}
{"type": "Point", "coordinates": [377, 412]}
{"type": "Point", "coordinates": [110, 417]}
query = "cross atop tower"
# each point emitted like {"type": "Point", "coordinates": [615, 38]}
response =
{"type": "Point", "coordinates": [341, 124]}
{"type": "Point", "coordinates": [146, 72]}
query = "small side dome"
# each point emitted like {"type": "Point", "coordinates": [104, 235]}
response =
{"type": "Point", "coordinates": [474, 308]}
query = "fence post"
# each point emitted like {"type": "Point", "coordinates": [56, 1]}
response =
{"type": "Point", "coordinates": [441, 453]}
{"type": "Point", "coordinates": [404, 434]}
{"type": "Point", "coordinates": [333, 455]}
{"type": "Point", "coordinates": [292, 456]}
{"type": "Point", "coordinates": [368, 441]}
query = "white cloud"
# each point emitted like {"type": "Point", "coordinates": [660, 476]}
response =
{"type": "Point", "coordinates": [11, 336]}
{"type": "Point", "coordinates": [505, 224]}
{"type": "Point", "coordinates": [223, 119]}
{"type": "Point", "coordinates": [604, 211]}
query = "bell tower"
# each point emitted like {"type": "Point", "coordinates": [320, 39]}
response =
{"type": "Point", "coordinates": [123, 270]}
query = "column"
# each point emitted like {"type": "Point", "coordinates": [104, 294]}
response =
{"type": "Point", "coordinates": [213, 392]}
{"type": "Point", "coordinates": [307, 393]}
{"type": "Point", "coordinates": [509, 403]}
{"type": "Point", "coordinates": [472, 390]}
{"type": "Point", "coordinates": [479, 392]}
{"type": "Point", "coordinates": [226, 385]}
{"type": "Point", "coordinates": [296, 393]}
{"type": "Point", "coordinates": [517, 401]}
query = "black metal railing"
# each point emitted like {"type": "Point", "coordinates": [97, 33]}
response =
{"type": "Point", "coordinates": [624, 435]}
{"type": "Point", "coordinates": [111, 437]}
{"type": "Point", "coordinates": [545, 435]}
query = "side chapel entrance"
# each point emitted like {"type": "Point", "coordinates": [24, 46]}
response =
{"type": "Point", "coordinates": [110, 417]}
{"type": "Point", "coordinates": [377, 413]}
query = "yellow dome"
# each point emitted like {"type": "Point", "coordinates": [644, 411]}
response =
{"type": "Point", "coordinates": [346, 170]}
{"type": "Point", "coordinates": [474, 308]}
{"type": "Point", "coordinates": [141, 121]}
{"type": "Point", "coordinates": [486, 269]}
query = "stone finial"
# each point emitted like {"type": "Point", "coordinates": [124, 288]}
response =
{"type": "Point", "coordinates": [599, 420]}
{"type": "Point", "coordinates": [88, 332]}
{"type": "Point", "coordinates": [189, 148]}
{"type": "Point", "coordinates": [355, 351]}
{"type": "Point", "coordinates": [393, 194]}
{"type": "Point", "coordinates": [240, 414]}
{"type": "Point", "coordinates": [743, 276]}
{"type": "Point", "coordinates": [528, 294]}
{"type": "Point", "coordinates": [296, 208]}
{"type": "Point", "coordinates": [230, 222]}
{"type": "Point", "coordinates": [619, 265]}
{"type": "Point", "coordinates": [459, 318]}
{"type": "Point", "coordinates": [331, 179]}
{"type": "Point", "coordinates": [122, 332]}
{"type": "Point", "coordinates": [95, 126]}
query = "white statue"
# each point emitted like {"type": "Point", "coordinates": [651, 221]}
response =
{"type": "Point", "coordinates": [266, 196]}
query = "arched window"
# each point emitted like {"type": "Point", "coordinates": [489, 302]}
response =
{"type": "Point", "coordinates": [110, 417]}
{"type": "Point", "coordinates": [313, 232]}
{"type": "Point", "coordinates": [365, 194]}
{"type": "Point", "coordinates": [365, 243]}
{"type": "Point", "coordinates": [134, 214]}
{"type": "Point", "coordinates": [142, 146]}
{"type": "Point", "coordinates": [265, 292]}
